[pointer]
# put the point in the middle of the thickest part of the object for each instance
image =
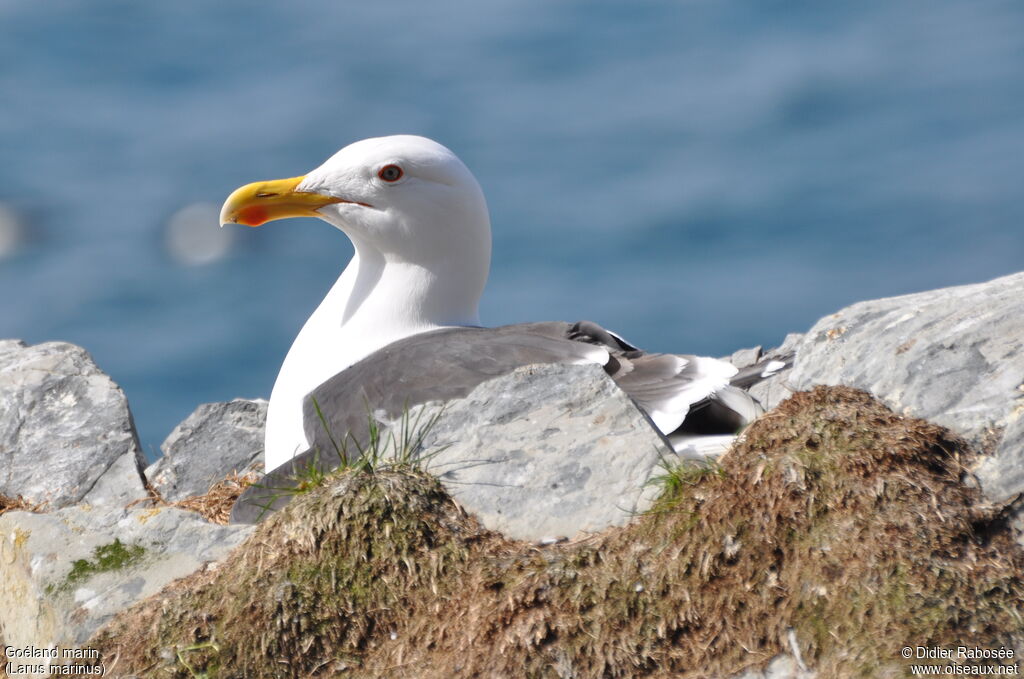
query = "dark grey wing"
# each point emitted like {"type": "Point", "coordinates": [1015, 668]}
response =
{"type": "Point", "coordinates": [592, 333]}
{"type": "Point", "coordinates": [440, 365]}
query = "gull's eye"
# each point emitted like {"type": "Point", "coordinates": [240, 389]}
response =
{"type": "Point", "coordinates": [390, 173]}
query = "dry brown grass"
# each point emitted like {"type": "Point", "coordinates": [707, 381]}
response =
{"type": "Point", "coordinates": [215, 506]}
{"type": "Point", "coordinates": [835, 517]}
{"type": "Point", "coordinates": [18, 504]}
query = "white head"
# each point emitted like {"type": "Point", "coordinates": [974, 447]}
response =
{"type": "Point", "coordinates": [403, 200]}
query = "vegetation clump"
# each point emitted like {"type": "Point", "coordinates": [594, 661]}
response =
{"type": "Point", "coordinates": [215, 505]}
{"type": "Point", "coordinates": [834, 525]}
{"type": "Point", "coordinates": [17, 504]}
{"type": "Point", "coordinates": [111, 557]}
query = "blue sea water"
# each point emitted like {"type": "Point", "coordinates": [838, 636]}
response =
{"type": "Point", "coordinates": [700, 176]}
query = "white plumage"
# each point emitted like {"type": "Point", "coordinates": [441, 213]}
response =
{"type": "Point", "coordinates": [421, 231]}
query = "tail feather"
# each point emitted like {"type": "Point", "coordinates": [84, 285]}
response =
{"type": "Point", "coordinates": [698, 403]}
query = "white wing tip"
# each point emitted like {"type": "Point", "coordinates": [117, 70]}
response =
{"type": "Point", "coordinates": [772, 368]}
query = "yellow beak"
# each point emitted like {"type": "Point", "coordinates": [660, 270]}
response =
{"type": "Point", "coordinates": [261, 202]}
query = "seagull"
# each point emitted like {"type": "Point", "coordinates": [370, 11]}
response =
{"type": "Point", "coordinates": [401, 324]}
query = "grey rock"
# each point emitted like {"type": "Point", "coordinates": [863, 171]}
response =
{"type": "Point", "coordinates": [43, 604]}
{"type": "Point", "coordinates": [785, 665]}
{"type": "Point", "coordinates": [953, 356]}
{"type": "Point", "coordinates": [772, 391]}
{"type": "Point", "coordinates": [66, 432]}
{"type": "Point", "coordinates": [1017, 524]}
{"type": "Point", "coordinates": [1002, 474]}
{"type": "Point", "coordinates": [791, 342]}
{"type": "Point", "coordinates": [744, 357]}
{"type": "Point", "coordinates": [781, 667]}
{"type": "Point", "coordinates": [118, 487]}
{"type": "Point", "coordinates": [579, 462]}
{"type": "Point", "coordinates": [212, 442]}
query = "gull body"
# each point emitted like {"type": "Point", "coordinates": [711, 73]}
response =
{"type": "Point", "coordinates": [419, 224]}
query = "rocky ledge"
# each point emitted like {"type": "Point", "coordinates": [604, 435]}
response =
{"type": "Point", "coordinates": [84, 530]}
{"type": "Point", "coordinates": [88, 537]}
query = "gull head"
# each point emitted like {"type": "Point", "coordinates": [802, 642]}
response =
{"type": "Point", "coordinates": [407, 198]}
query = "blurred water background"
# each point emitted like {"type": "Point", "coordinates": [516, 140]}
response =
{"type": "Point", "coordinates": [700, 176]}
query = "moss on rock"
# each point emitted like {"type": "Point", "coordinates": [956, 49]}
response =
{"type": "Point", "coordinates": [111, 557]}
{"type": "Point", "coordinates": [833, 518]}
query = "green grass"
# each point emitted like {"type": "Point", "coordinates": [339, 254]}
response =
{"type": "Point", "coordinates": [397, 447]}
{"type": "Point", "coordinates": [386, 448]}
{"type": "Point", "coordinates": [678, 476]}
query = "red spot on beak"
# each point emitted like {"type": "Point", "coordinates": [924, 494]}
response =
{"type": "Point", "coordinates": [253, 215]}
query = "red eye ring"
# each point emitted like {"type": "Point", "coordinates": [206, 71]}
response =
{"type": "Point", "coordinates": [390, 173]}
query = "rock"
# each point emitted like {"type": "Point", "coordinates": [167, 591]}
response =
{"type": "Point", "coordinates": [953, 356]}
{"type": "Point", "coordinates": [66, 573]}
{"type": "Point", "coordinates": [214, 441]}
{"type": "Point", "coordinates": [579, 461]}
{"type": "Point", "coordinates": [66, 433]}
{"type": "Point", "coordinates": [1016, 521]}
{"type": "Point", "coordinates": [67, 441]}
{"type": "Point", "coordinates": [745, 357]}
{"type": "Point", "coordinates": [781, 667]}
{"type": "Point", "coordinates": [772, 391]}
